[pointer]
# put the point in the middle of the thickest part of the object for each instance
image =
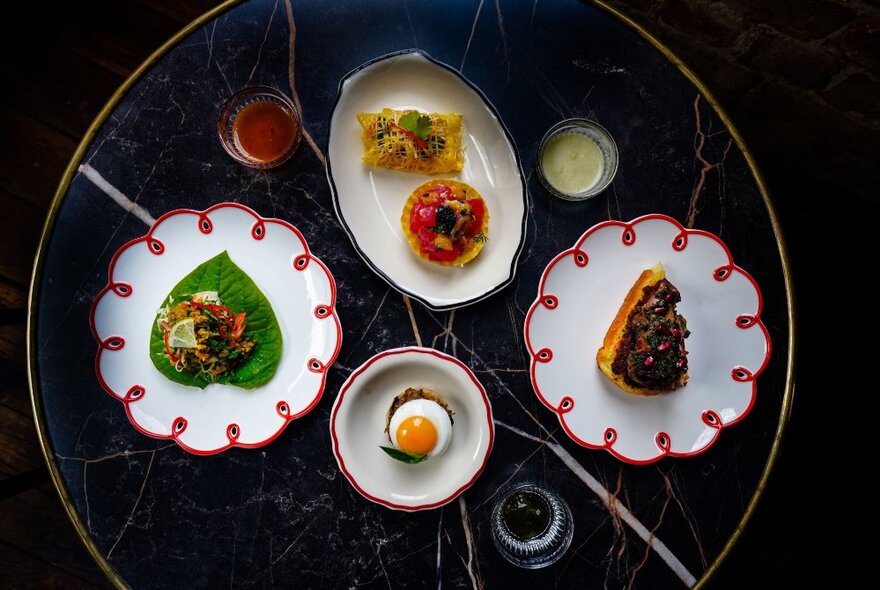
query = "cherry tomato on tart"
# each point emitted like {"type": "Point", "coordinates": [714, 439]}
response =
{"type": "Point", "coordinates": [446, 222]}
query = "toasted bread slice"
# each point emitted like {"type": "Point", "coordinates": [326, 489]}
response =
{"type": "Point", "coordinates": [613, 337]}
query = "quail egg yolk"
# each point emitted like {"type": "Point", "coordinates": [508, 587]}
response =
{"type": "Point", "coordinates": [416, 435]}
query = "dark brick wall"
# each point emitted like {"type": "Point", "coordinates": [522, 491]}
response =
{"type": "Point", "coordinates": [813, 66]}
{"type": "Point", "coordinates": [801, 81]}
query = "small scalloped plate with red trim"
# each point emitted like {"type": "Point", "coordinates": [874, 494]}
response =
{"type": "Point", "coordinates": [299, 287]}
{"type": "Point", "coordinates": [357, 428]}
{"type": "Point", "coordinates": [579, 294]}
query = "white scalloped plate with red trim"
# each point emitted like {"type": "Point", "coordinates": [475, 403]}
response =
{"type": "Point", "coordinates": [579, 294]}
{"type": "Point", "coordinates": [299, 287]}
{"type": "Point", "coordinates": [357, 428]}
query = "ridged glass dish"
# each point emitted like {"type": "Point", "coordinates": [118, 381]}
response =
{"type": "Point", "coordinates": [229, 136]}
{"type": "Point", "coordinates": [541, 548]}
{"type": "Point", "coordinates": [607, 149]}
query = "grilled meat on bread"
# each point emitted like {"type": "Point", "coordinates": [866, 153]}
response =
{"type": "Point", "coordinates": [644, 351]}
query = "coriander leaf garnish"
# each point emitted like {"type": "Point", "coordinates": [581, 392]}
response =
{"type": "Point", "coordinates": [481, 237]}
{"type": "Point", "coordinates": [403, 455]}
{"type": "Point", "coordinates": [417, 124]}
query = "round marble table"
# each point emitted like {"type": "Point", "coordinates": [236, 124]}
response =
{"type": "Point", "coordinates": [155, 516]}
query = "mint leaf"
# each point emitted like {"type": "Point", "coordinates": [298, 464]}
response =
{"type": "Point", "coordinates": [417, 124]}
{"type": "Point", "coordinates": [403, 455]}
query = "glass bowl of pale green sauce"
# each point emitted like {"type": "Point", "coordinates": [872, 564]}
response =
{"type": "Point", "coordinates": [531, 526]}
{"type": "Point", "coordinates": [577, 159]}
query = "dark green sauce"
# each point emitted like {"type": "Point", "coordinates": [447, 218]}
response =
{"type": "Point", "coordinates": [526, 514]}
{"type": "Point", "coordinates": [652, 351]}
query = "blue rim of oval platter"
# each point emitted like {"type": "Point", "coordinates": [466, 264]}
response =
{"type": "Point", "coordinates": [525, 191]}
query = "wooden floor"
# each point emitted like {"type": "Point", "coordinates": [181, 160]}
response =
{"type": "Point", "coordinates": [59, 66]}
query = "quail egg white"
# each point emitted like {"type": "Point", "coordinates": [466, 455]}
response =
{"type": "Point", "coordinates": [421, 427]}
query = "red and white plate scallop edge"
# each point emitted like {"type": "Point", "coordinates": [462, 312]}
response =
{"type": "Point", "coordinates": [578, 296]}
{"type": "Point", "coordinates": [299, 287]}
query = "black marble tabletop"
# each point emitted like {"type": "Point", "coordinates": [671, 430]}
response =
{"type": "Point", "coordinates": [283, 514]}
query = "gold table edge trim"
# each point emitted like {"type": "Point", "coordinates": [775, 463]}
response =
{"type": "Point", "coordinates": [69, 172]}
{"type": "Point", "coordinates": [112, 575]}
{"type": "Point", "coordinates": [788, 394]}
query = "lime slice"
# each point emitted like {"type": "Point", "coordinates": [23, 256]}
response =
{"type": "Point", "coordinates": [183, 334]}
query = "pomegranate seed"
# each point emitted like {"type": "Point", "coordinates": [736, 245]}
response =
{"type": "Point", "coordinates": [676, 333]}
{"type": "Point", "coordinates": [659, 310]}
{"type": "Point", "coordinates": [682, 362]}
{"type": "Point", "coordinates": [649, 360]}
{"type": "Point", "coordinates": [663, 346]}
{"type": "Point", "coordinates": [669, 296]}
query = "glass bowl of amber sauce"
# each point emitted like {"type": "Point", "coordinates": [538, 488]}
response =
{"type": "Point", "coordinates": [260, 127]}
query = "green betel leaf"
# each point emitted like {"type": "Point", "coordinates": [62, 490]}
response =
{"type": "Point", "coordinates": [238, 292]}
{"type": "Point", "coordinates": [403, 455]}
